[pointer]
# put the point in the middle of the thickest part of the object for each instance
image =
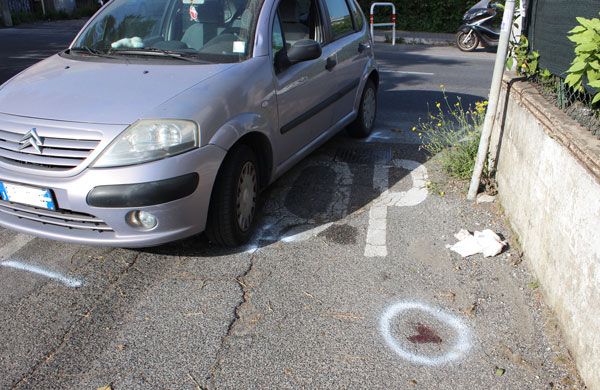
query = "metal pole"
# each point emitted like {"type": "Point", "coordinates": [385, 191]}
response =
{"type": "Point", "coordinates": [6, 18]}
{"type": "Point", "coordinates": [490, 115]}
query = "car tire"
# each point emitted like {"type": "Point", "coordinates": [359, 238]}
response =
{"type": "Point", "coordinates": [234, 199]}
{"type": "Point", "coordinates": [364, 122]}
{"type": "Point", "coordinates": [469, 45]}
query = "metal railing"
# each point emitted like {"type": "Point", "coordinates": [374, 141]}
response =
{"type": "Point", "coordinates": [385, 24]}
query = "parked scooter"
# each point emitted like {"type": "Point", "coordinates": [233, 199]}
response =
{"type": "Point", "coordinates": [477, 27]}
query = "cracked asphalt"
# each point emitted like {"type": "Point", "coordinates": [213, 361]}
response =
{"type": "Point", "coordinates": [304, 305]}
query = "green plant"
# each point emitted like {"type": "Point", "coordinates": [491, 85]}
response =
{"type": "Point", "coordinates": [587, 56]}
{"type": "Point", "coordinates": [453, 133]}
{"type": "Point", "coordinates": [527, 63]}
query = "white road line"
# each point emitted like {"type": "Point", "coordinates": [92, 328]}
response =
{"type": "Point", "coordinates": [43, 272]}
{"type": "Point", "coordinates": [377, 233]}
{"type": "Point", "coordinates": [406, 72]}
{"type": "Point", "coordinates": [376, 245]}
{"type": "Point", "coordinates": [14, 245]}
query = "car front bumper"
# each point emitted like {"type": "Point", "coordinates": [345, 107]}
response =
{"type": "Point", "coordinates": [92, 207]}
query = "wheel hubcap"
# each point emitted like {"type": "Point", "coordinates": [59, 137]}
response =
{"type": "Point", "coordinates": [246, 196]}
{"type": "Point", "coordinates": [467, 40]}
{"type": "Point", "coordinates": [369, 108]}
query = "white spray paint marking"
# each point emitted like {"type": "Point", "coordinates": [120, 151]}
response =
{"type": "Point", "coordinates": [462, 345]}
{"type": "Point", "coordinates": [382, 135]}
{"type": "Point", "coordinates": [43, 272]}
{"type": "Point", "coordinates": [306, 234]}
{"type": "Point", "coordinates": [14, 245]}
{"type": "Point", "coordinates": [376, 245]}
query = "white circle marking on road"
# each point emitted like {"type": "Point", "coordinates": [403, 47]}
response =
{"type": "Point", "coordinates": [462, 345]}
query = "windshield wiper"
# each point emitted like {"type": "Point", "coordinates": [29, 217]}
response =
{"type": "Point", "coordinates": [153, 51]}
{"type": "Point", "coordinates": [88, 50]}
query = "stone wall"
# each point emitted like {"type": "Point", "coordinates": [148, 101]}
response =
{"type": "Point", "coordinates": [548, 175]}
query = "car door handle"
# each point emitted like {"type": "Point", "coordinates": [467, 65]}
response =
{"type": "Point", "coordinates": [363, 46]}
{"type": "Point", "coordinates": [331, 63]}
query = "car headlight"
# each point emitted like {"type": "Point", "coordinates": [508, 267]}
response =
{"type": "Point", "coordinates": [149, 140]}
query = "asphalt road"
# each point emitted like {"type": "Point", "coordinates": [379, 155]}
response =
{"type": "Point", "coordinates": [347, 283]}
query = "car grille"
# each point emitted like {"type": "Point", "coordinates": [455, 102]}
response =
{"type": "Point", "coordinates": [63, 218]}
{"type": "Point", "coordinates": [56, 153]}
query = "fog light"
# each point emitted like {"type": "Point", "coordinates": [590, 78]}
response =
{"type": "Point", "coordinates": [141, 219]}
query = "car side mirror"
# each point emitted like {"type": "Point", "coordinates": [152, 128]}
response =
{"type": "Point", "coordinates": [304, 50]}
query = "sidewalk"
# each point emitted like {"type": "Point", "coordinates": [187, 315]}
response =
{"type": "Point", "coordinates": [415, 37]}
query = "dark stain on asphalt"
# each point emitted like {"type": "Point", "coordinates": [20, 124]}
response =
{"type": "Point", "coordinates": [426, 335]}
{"type": "Point", "coordinates": [341, 234]}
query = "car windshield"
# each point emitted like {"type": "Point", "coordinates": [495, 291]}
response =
{"type": "Point", "coordinates": [206, 30]}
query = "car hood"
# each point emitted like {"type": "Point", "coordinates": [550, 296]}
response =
{"type": "Point", "coordinates": [98, 92]}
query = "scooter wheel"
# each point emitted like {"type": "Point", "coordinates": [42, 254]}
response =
{"type": "Point", "coordinates": [467, 41]}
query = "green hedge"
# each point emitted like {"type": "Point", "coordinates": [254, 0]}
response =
{"type": "Point", "coordinates": [422, 15]}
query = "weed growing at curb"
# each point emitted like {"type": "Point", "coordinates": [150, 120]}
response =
{"type": "Point", "coordinates": [452, 134]}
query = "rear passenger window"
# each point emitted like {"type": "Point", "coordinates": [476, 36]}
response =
{"type": "Point", "coordinates": [339, 16]}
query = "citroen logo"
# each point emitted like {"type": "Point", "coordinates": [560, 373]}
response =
{"type": "Point", "coordinates": [32, 139]}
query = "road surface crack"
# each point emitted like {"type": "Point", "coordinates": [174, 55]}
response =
{"type": "Point", "coordinates": [246, 290]}
{"type": "Point", "coordinates": [76, 323]}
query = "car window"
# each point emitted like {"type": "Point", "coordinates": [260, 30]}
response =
{"type": "Point", "coordinates": [277, 40]}
{"type": "Point", "coordinates": [295, 20]}
{"type": "Point", "coordinates": [299, 20]}
{"type": "Point", "coordinates": [211, 30]}
{"type": "Point", "coordinates": [358, 16]}
{"type": "Point", "coordinates": [339, 16]}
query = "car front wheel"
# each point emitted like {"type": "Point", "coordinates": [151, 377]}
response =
{"type": "Point", "coordinates": [363, 124]}
{"type": "Point", "coordinates": [234, 199]}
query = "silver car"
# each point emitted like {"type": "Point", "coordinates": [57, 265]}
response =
{"type": "Point", "coordinates": [166, 118]}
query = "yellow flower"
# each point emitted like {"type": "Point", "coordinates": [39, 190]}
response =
{"type": "Point", "coordinates": [442, 193]}
{"type": "Point", "coordinates": [419, 134]}
{"type": "Point", "coordinates": [414, 128]}
{"type": "Point", "coordinates": [439, 125]}
{"type": "Point", "coordinates": [441, 85]}
{"type": "Point", "coordinates": [457, 104]}
{"type": "Point", "coordinates": [470, 132]}
{"type": "Point", "coordinates": [438, 105]}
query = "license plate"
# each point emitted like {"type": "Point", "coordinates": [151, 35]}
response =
{"type": "Point", "coordinates": [31, 196]}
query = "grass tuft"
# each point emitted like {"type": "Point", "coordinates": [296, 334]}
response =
{"type": "Point", "coordinates": [452, 133]}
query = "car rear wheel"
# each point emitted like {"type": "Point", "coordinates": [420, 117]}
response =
{"type": "Point", "coordinates": [234, 199]}
{"type": "Point", "coordinates": [467, 41]}
{"type": "Point", "coordinates": [363, 124]}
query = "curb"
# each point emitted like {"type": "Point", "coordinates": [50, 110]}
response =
{"type": "Point", "coordinates": [415, 38]}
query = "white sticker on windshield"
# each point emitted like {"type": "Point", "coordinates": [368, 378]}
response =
{"type": "Point", "coordinates": [239, 47]}
{"type": "Point", "coordinates": [193, 1]}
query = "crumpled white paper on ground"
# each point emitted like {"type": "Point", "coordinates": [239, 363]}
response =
{"type": "Point", "coordinates": [486, 242]}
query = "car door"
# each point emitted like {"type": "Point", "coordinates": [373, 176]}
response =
{"type": "Point", "coordinates": [303, 89]}
{"type": "Point", "coordinates": [351, 44]}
